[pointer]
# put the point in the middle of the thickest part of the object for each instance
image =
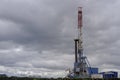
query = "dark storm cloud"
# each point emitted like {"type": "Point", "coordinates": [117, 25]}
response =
{"type": "Point", "coordinates": [39, 34]}
{"type": "Point", "coordinates": [35, 21]}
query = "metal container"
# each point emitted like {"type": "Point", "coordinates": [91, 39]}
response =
{"type": "Point", "coordinates": [97, 76]}
{"type": "Point", "coordinates": [92, 70]}
{"type": "Point", "coordinates": [110, 74]}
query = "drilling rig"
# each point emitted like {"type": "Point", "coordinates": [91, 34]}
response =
{"type": "Point", "coordinates": [82, 68]}
{"type": "Point", "coordinates": [81, 63]}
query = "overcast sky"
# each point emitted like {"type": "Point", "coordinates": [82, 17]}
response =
{"type": "Point", "coordinates": [36, 36]}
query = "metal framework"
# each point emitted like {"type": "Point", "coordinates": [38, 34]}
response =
{"type": "Point", "coordinates": [80, 65]}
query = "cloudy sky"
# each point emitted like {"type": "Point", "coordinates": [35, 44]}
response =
{"type": "Point", "coordinates": [36, 36]}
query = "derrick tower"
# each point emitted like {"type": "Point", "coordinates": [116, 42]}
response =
{"type": "Point", "coordinates": [80, 65]}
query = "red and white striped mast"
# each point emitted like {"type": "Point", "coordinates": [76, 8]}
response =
{"type": "Point", "coordinates": [80, 28]}
{"type": "Point", "coordinates": [81, 64]}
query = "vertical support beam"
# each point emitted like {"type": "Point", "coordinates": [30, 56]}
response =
{"type": "Point", "coordinates": [76, 50]}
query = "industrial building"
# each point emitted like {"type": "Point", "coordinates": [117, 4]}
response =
{"type": "Point", "coordinates": [109, 74]}
{"type": "Point", "coordinates": [105, 75]}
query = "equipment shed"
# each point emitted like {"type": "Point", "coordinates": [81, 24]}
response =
{"type": "Point", "coordinates": [110, 74]}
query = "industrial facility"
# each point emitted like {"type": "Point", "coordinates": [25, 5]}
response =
{"type": "Point", "coordinates": [82, 68]}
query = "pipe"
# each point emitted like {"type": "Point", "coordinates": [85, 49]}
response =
{"type": "Point", "coordinates": [76, 50]}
